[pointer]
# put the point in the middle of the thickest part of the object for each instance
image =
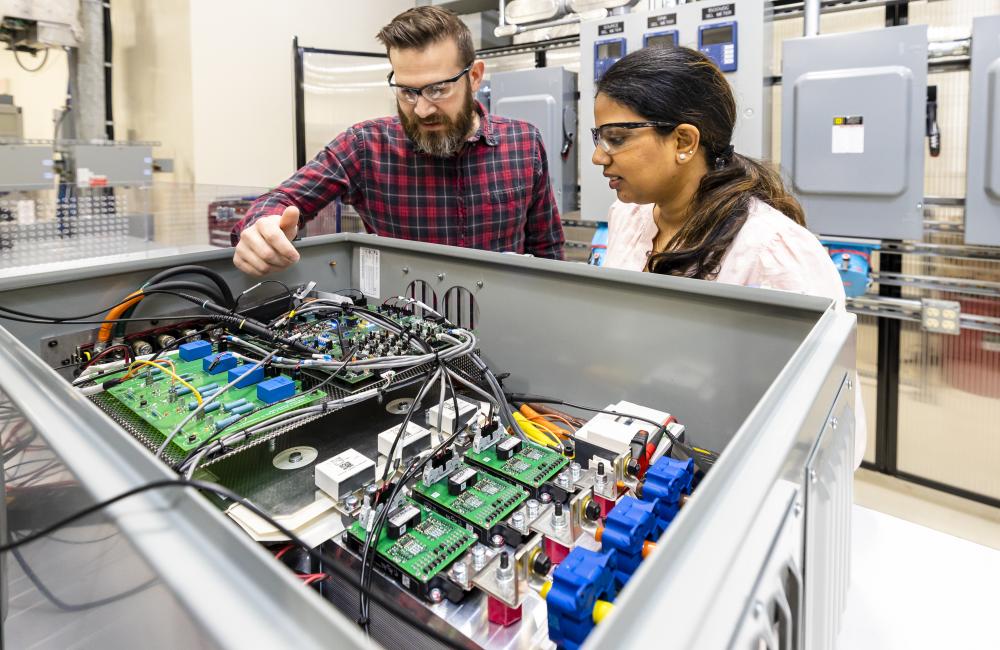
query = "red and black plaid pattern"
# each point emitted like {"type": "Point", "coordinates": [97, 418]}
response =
{"type": "Point", "coordinates": [494, 195]}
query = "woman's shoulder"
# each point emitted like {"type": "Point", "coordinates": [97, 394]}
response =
{"type": "Point", "coordinates": [766, 226]}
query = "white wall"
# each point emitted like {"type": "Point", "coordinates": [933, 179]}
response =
{"type": "Point", "coordinates": [37, 93]}
{"type": "Point", "coordinates": [242, 80]}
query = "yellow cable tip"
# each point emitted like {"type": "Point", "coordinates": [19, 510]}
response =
{"type": "Point", "coordinates": [602, 609]}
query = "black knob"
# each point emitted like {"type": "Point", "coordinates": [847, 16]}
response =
{"type": "Point", "coordinates": [542, 564]}
{"type": "Point", "coordinates": [592, 512]}
{"type": "Point", "coordinates": [632, 469]}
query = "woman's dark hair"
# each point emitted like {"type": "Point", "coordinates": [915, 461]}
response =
{"type": "Point", "coordinates": [683, 86]}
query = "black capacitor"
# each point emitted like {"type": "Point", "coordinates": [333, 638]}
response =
{"type": "Point", "coordinates": [461, 480]}
{"type": "Point", "coordinates": [401, 521]}
{"type": "Point", "coordinates": [507, 447]}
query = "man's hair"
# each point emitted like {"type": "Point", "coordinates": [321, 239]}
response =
{"type": "Point", "coordinates": [420, 27]}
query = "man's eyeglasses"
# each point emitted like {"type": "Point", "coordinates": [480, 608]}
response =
{"type": "Point", "coordinates": [433, 92]}
{"type": "Point", "coordinates": [613, 137]}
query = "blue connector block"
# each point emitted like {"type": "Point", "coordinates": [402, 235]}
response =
{"type": "Point", "coordinates": [579, 581]}
{"type": "Point", "coordinates": [222, 361]}
{"type": "Point", "coordinates": [195, 350]}
{"type": "Point", "coordinates": [275, 389]}
{"type": "Point", "coordinates": [666, 480]}
{"type": "Point", "coordinates": [630, 523]}
{"type": "Point", "coordinates": [248, 374]}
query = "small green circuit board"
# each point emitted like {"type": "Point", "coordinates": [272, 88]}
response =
{"type": "Point", "coordinates": [532, 465]}
{"type": "Point", "coordinates": [148, 395]}
{"type": "Point", "coordinates": [425, 549]}
{"type": "Point", "coordinates": [484, 504]}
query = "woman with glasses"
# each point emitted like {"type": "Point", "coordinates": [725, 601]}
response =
{"type": "Point", "coordinates": [688, 205]}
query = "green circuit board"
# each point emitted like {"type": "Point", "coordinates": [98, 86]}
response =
{"type": "Point", "coordinates": [150, 394]}
{"type": "Point", "coordinates": [532, 465]}
{"type": "Point", "coordinates": [485, 503]}
{"type": "Point", "coordinates": [425, 549]}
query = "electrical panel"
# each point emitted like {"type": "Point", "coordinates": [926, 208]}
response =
{"type": "Point", "coordinates": [26, 167]}
{"type": "Point", "coordinates": [853, 126]}
{"type": "Point", "coordinates": [735, 35]}
{"type": "Point", "coordinates": [98, 165]}
{"type": "Point", "coordinates": [982, 195]}
{"type": "Point", "coordinates": [546, 98]}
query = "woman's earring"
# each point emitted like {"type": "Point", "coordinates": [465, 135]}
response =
{"type": "Point", "coordinates": [683, 156]}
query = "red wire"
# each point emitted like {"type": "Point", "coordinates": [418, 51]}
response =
{"type": "Point", "coordinates": [284, 549]}
{"type": "Point", "coordinates": [128, 354]}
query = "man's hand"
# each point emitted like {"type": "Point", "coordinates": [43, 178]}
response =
{"type": "Point", "coordinates": [266, 246]}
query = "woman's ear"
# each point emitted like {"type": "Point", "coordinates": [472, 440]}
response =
{"type": "Point", "coordinates": [687, 137]}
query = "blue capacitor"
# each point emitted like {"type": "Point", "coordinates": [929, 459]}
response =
{"type": "Point", "coordinates": [240, 410]}
{"type": "Point", "coordinates": [183, 390]}
{"type": "Point", "coordinates": [195, 350]}
{"type": "Point", "coordinates": [207, 388]}
{"type": "Point", "coordinates": [222, 424]}
{"type": "Point", "coordinates": [217, 363]}
{"type": "Point", "coordinates": [229, 406]}
{"type": "Point", "coordinates": [192, 405]}
{"type": "Point", "coordinates": [248, 375]}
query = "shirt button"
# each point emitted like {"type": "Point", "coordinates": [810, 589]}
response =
{"type": "Point", "coordinates": [648, 253]}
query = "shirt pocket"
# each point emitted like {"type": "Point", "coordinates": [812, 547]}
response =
{"type": "Point", "coordinates": [503, 217]}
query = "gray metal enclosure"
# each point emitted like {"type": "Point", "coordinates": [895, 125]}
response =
{"type": "Point", "coordinates": [762, 375]}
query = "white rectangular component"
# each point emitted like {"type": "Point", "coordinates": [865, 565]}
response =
{"type": "Point", "coordinates": [466, 410]}
{"type": "Point", "coordinates": [413, 441]}
{"type": "Point", "coordinates": [615, 432]}
{"type": "Point", "coordinates": [344, 473]}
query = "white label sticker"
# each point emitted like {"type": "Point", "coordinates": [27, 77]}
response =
{"type": "Point", "coordinates": [370, 272]}
{"type": "Point", "coordinates": [848, 138]}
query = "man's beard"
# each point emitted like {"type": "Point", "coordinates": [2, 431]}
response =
{"type": "Point", "coordinates": [447, 141]}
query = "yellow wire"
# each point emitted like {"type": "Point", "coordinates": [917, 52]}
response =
{"type": "Point", "coordinates": [143, 362]}
{"type": "Point", "coordinates": [532, 431]}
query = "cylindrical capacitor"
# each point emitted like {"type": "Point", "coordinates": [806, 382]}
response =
{"type": "Point", "coordinates": [222, 424]}
{"type": "Point", "coordinates": [241, 410]}
{"type": "Point", "coordinates": [165, 341]}
{"type": "Point", "coordinates": [142, 347]}
{"type": "Point", "coordinates": [229, 406]}
{"type": "Point", "coordinates": [193, 404]}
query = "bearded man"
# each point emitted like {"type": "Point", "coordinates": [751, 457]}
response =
{"type": "Point", "coordinates": [443, 171]}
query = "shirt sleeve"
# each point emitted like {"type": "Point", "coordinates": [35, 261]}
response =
{"type": "Point", "coordinates": [543, 229]}
{"type": "Point", "coordinates": [796, 261]}
{"type": "Point", "coordinates": [335, 172]}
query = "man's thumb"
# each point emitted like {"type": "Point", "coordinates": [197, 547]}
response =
{"type": "Point", "coordinates": [289, 222]}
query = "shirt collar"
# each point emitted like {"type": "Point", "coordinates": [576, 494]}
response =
{"type": "Point", "coordinates": [487, 129]}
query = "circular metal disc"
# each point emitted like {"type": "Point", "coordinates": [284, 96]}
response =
{"type": "Point", "coordinates": [295, 457]}
{"type": "Point", "coordinates": [399, 406]}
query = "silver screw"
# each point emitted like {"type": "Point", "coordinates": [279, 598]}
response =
{"type": "Point", "coordinates": [440, 276]}
{"type": "Point", "coordinates": [478, 557]}
{"type": "Point", "coordinates": [479, 284]}
{"type": "Point", "coordinates": [497, 540]}
{"type": "Point", "coordinates": [517, 520]}
{"type": "Point", "coordinates": [601, 482]}
{"type": "Point", "coordinates": [545, 497]}
{"type": "Point", "coordinates": [833, 423]}
{"type": "Point", "coordinates": [558, 516]}
{"type": "Point", "coordinates": [406, 269]}
{"type": "Point", "coordinates": [574, 470]}
{"type": "Point", "coordinates": [813, 478]}
{"type": "Point", "coordinates": [798, 508]}
{"type": "Point", "coordinates": [351, 502]}
{"type": "Point", "coordinates": [461, 575]}
{"type": "Point", "coordinates": [563, 480]}
{"type": "Point", "coordinates": [505, 570]}
{"type": "Point", "coordinates": [436, 595]}
{"type": "Point", "coordinates": [532, 507]}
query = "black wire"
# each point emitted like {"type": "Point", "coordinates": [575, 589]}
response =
{"type": "Point", "coordinates": [104, 310]}
{"type": "Point", "coordinates": [406, 422]}
{"type": "Point", "coordinates": [77, 607]}
{"type": "Point", "coordinates": [288, 292]}
{"type": "Point", "coordinates": [329, 562]}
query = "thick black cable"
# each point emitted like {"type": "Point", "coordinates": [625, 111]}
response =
{"type": "Point", "coordinates": [195, 269]}
{"type": "Point", "coordinates": [324, 559]}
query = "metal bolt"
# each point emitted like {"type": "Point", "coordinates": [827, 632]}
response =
{"type": "Point", "coordinates": [545, 497]}
{"type": "Point", "coordinates": [532, 507]}
{"type": "Point", "coordinates": [505, 571]}
{"type": "Point", "coordinates": [558, 516]}
{"type": "Point", "coordinates": [850, 384]}
{"type": "Point", "coordinates": [436, 595]}
{"type": "Point", "coordinates": [833, 423]}
{"type": "Point", "coordinates": [479, 284]}
{"type": "Point", "coordinates": [351, 502]}
{"type": "Point", "coordinates": [461, 575]}
{"type": "Point", "coordinates": [478, 557]}
{"type": "Point", "coordinates": [563, 480]}
{"type": "Point", "coordinates": [813, 478]}
{"type": "Point", "coordinates": [295, 457]}
{"type": "Point", "coordinates": [440, 276]}
{"type": "Point", "coordinates": [406, 269]}
{"type": "Point", "coordinates": [517, 520]}
{"type": "Point", "coordinates": [797, 508]}
{"type": "Point", "coordinates": [333, 264]}
{"type": "Point", "coordinates": [53, 344]}
{"type": "Point", "coordinates": [575, 469]}
{"type": "Point", "coordinates": [497, 540]}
